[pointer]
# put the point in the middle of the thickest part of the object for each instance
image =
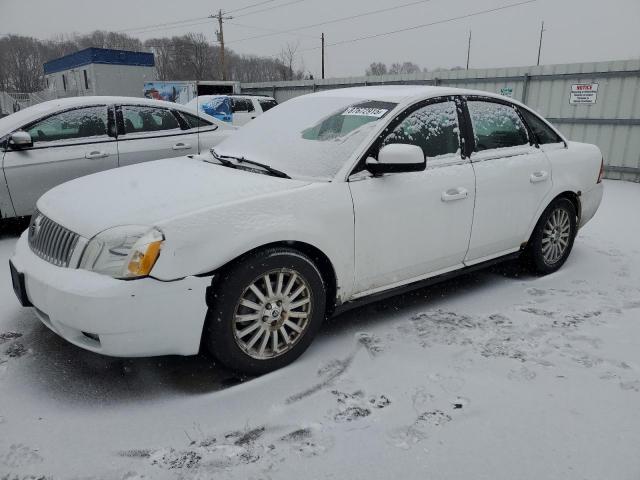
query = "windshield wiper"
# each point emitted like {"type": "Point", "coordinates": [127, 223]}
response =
{"type": "Point", "coordinates": [224, 159]}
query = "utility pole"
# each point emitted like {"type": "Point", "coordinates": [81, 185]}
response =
{"type": "Point", "coordinates": [469, 50]}
{"type": "Point", "coordinates": [542, 30]}
{"type": "Point", "coordinates": [220, 35]}
{"type": "Point", "coordinates": [322, 55]}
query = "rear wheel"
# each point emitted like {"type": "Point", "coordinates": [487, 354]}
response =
{"type": "Point", "coordinates": [552, 239]}
{"type": "Point", "coordinates": [265, 311]}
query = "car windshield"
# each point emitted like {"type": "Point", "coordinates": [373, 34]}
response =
{"type": "Point", "coordinates": [310, 137]}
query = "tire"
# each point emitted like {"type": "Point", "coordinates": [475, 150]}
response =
{"type": "Point", "coordinates": [552, 239]}
{"type": "Point", "coordinates": [244, 316]}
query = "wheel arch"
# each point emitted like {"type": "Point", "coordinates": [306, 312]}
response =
{"type": "Point", "coordinates": [572, 196]}
{"type": "Point", "coordinates": [319, 258]}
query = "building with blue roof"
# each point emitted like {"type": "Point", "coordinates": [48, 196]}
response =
{"type": "Point", "coordinates": [100, 71]}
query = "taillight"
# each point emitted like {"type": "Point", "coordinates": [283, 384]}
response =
{"type": "Point", "coordinates": [601, 174]}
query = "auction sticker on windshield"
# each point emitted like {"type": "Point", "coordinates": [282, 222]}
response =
{"type": "Point", "coordinates": [366, 112]}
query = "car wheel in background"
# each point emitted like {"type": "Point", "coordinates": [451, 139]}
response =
{"type": "Point", "coordinates": [264, 311]}
{"type": "Point", "coordinates": [552, 238]}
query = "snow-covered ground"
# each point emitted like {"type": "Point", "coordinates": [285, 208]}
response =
{"type": "Point", "coordinates": [496, 375]}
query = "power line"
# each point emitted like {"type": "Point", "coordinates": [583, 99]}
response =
{"type": "Point", "coordinates": [424, 25]}
{"type": "Point", "coordinates": [190, 22]}
{"type": "Point", "coordinates": [274, 31]}
{"type": "Point", "coordinates": [271, 8]}
{"type": "Point", "coordinates": [337, 20]}
{"type": "Point", "coordinates": [249, 6]}
{"type": "Point", "coordinates": [176, 24]}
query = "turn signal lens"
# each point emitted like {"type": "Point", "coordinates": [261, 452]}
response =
{"type": "Point", "coordinates": [142, 261]}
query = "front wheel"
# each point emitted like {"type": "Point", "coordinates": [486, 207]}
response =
{"type": "Point", "coordinates": [552, 239]}
{"type": "Point", "coordinates": [265, 311]}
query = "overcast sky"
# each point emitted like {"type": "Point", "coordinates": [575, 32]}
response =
{"type": "Point", "coordinates": [576, 30]}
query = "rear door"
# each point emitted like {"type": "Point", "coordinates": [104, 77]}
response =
{"type": "Point", "coordinates": [66, 145]}
{"type": "Point", "coordinates": [243, 111]}
{"type": "Point", "coordinates": [513, 178]}
{"type": "Point", "coordinates": [147, 133]}
{"type": "Point", "coordinates": [208, 134]}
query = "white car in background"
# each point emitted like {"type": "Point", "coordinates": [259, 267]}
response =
{"type": "Point", "coordinates": [50, 143]}
{"type": "Point", "coordinates": [243, 108]}
{"type": "Point", "coordinates": [330, 200]}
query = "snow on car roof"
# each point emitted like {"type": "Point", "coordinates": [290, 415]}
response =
{"type": "Point", "coordinates": [403, 93]}
{"type": "Point", "coordinates": [16, 120]}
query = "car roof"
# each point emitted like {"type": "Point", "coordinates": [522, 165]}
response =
{"type": "Point", "coordinates": [9, 123]}
{"type": "Point", "coordinates": [404, 94]}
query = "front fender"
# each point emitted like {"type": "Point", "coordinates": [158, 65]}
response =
{"type": "Point", "coordinates": [6, 206]}
{"type": "Point", "coordinates": [320, 214]}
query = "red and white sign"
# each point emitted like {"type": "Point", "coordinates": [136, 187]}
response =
{"type": "Point", "coordinates": [583, 94]}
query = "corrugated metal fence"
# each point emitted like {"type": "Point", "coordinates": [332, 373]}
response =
{"type": "Point", "coordinates": [610, 118]}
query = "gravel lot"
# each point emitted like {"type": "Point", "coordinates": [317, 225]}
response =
{"type": "Point", "coordinates": [496, 375]}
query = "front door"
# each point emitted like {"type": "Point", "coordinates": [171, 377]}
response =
{"type": "Point", "coordinates": [414, 225]}
{"type": "Point", "coordinates": [66, 145]}
{"type": "Point", "coordinates": [512, 179]}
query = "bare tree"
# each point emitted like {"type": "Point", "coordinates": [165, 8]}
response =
{"type": "Point", "coordinates": [287, 57]}
{"type": "Point", "coordinates": [376, 68]}
{"type": "Point", "coordinates": [406, 67]}
{"type": "Point", "coordinates": [200, 55]}
{"type": "Point", "coordinates": [186, 57]}
{"type": "Point", "coordinates": [22, 63]}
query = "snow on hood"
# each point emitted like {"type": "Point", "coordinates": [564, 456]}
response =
{"type": "Point", "coordinates": [152, 192]}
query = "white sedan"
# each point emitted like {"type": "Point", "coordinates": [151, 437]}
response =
{"type": "Point", "coordinates": [328, 201]}
{"type": "Point", "coordinates": [56, 141]}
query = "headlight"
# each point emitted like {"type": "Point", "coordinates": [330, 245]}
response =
{"type": "Point", "coordinates": [123, 252]}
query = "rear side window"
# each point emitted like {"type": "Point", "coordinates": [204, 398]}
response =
{"type": "Point", "coordinates": [194, 121]}
{"type": "Point", "coordinates": [434, 128]}
{"type": "Point", "coordinates": [267, 104]}
{"type": "Point", "coordinates": [242, 105]}
{"type": "Point", "coordinates": [138, 119]}
{"type": "Point", "coordinates": [496, 125]}
{"type": "Point", "coordinates": [544, 134]}
{"type": "Point", "coordinates": [75, 124]}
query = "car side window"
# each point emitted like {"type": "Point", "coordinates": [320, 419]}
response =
{"type": "Point", "coordinates": [139, 119]}
{"type": "Point", "coordinates": [496, 125]}
{"type": "Point", "coordinates": [75, 124]}
{"type": "Point", "coordinates": [544, 134]}
{"type": "Point", "coordinates": [434, 128]}
{"type": "Point", "coordinates": [267, 104]}
{"type": "Point", "coordinates": [194, 121]}
{"type": "Point", "coordinates": [242, 105]}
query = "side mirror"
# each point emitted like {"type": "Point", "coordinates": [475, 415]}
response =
{"type": "Point", "coordinates": [397, 158]}
{"type": "Point", "coordinates": [19, 140]}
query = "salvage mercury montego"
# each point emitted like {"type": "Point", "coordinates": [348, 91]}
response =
{"type": "Point", "coordinates": [324, 202]}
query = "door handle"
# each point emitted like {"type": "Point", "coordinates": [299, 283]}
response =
{"type": "Point", "coordinates": [454, 194]}
{"type": "Point", "coordinates": [96, 154]}
{"type": "Point", "coordinates": [182, 146]}
{"type": "Point", "coordinates": [540, 176]}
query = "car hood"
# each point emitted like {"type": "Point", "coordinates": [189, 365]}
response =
{"type": "Point", "coordinates": [152, 193]}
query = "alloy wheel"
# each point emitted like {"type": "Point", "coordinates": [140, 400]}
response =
{"type": "Point", "coordinates": [272, 314]}
{"type": "Point", "coordinates": [556, 236]}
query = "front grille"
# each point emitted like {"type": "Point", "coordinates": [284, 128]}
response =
{"type": "Point", "coordinates": [50, 241]}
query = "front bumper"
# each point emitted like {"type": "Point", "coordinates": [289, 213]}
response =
{"type": "Point", "coordinates": [136, 318]}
